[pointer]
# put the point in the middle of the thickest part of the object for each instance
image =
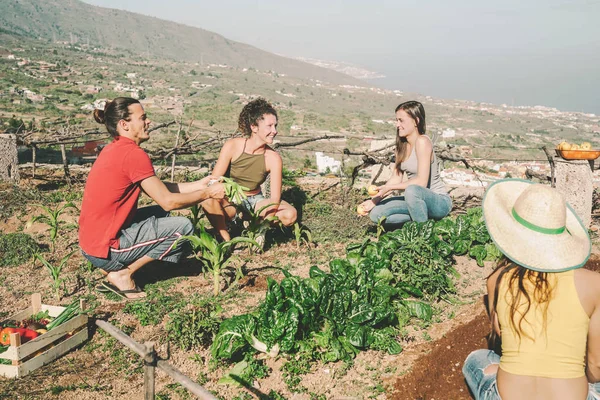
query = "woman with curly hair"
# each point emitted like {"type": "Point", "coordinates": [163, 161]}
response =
{"type": "Point", "coordinates": [248, 161]}
{"type": "Point", "coordinates": [543, 306]}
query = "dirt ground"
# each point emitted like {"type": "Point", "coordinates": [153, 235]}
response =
{"type": "Point", "coordinates": [428, 368]}
{"type": "Point", "coordinates": [437, 374]}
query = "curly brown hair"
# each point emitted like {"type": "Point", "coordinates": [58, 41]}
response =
{"type": "Point", "coordinates": [252, 113]}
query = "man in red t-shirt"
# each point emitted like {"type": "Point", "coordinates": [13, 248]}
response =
{"type": "Point", "coordinates": [113, 234]}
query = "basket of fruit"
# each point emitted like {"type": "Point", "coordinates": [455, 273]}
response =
{"type": "Point", "coordinates": [573, 151]}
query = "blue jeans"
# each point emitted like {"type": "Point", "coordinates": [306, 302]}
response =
{"type": "Point", "coordinates": [484, 386]}
{"type": "Point", "coordinates": [418, 204]}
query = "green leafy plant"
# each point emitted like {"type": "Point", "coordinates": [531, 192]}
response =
{"type": "Point", "coordinates": [245, 372]}
{"type": "Point", "coordinates": [55, 271]}
{"type": "Point", "coordinates": [256, 226]}
{"type": "Point", "coordinates": [214, 255]}
{"type": "Point", "coordinates": [364, 300]}
{"type": "Point", "coordinates": [302, 234]}
{"type": "Point", "coordinates": [380, 227]}
{"type": "Point", "coordinates": [293, 371]}
{"type": "Point", "coordinates": [152, 309]}
{"type": "Point", "coordinates": [52, 219]}
{"type": "Point", "coordinates": [233, 191]}
{"type": "Point", "coordinates": [195, 215]}
{"type": "Point", "coordinates": [195, 327]}
{"type": "Point", "coordinates": [17, 248]}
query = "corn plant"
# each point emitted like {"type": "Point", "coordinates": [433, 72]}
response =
{"type": "Point", "coordinates": [195, 215]}
{"type": "Point", "coordinates": [302, 234]}
{"type": "Point", "coordinates": [52, 219]}
{"type": "Point", "coordinates": [233, 191]}
{"type": "Point", "coordinates": [256, 227]}
{"type": "Point", "coordinates": [214, 255]}
{"type": "Point", "coordinates": [55, 271]}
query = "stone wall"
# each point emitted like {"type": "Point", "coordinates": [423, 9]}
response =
{"type": "Point", "coordinates": [574, 181]}
{"type": "Point", "coordinates": [9, 163]}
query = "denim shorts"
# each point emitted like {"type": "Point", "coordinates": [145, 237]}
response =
{"type": "Point", "coordinates": [250, 202]}
{"type": "Point", "coordinates": [152, 233]}
{"type": "Point", "coordinates": [484, 387]}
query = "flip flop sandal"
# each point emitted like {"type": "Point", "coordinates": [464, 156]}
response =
{"type": "Point", "coordinates": [102, 289]}
{"type": "Point", "coordinates": [122, 293]}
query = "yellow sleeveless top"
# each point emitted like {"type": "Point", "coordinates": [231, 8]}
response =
{"type": "Point", "coordinates": [249, 170]}
{"type": "Point", "coordinates": [558, 351]}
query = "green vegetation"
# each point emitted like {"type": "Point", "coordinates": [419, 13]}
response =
{"type": "Point", "coordinates": [195, 327]}
{"type": "Point", "coordinates": [52, 219]}
{"type": "Point", "coordinates": [17, 249]}
{"type": "Point", "coordinates": [213, 254]}
{"type": "Point", "coordinates": [55, 271]}
{"type": "Point", "coordinates": [364, 299]}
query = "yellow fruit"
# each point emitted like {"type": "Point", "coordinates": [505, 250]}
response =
{"type": "Point", "coordinates": [372, 190]}
{"type": "Point", "coordinates": [574, 147]}
{"type": "Point", "coordinates": [564, 146]}
{"type": "Point", "coordinates": [585, 146]}
{"type": "Point", "coordinates": [360, 210]}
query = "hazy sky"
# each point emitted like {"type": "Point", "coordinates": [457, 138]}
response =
{"type": "Point", "coordinates": [521, 52]}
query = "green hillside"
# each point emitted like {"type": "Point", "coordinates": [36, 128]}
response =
{"type": "Point", "coordinates": [74, 22]}
{"type": "Point", "coordinates": [48, 83]}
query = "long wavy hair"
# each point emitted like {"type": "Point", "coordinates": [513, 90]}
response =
{"type": "Point", "coordinates": [525, 287]}
{"type": "Point", "coordinates": [417, 112]}
{"type": "Point", "coordinates": [252, 113]}
{"type": "Point", "coordinates": [113, 112]}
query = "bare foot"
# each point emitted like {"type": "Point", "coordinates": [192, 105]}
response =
{"type": "Point", "coordinates": [122, 281]}
{"type": "Point", "coordinates": [225, 235]}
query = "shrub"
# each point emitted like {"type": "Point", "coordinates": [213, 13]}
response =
{"type": "Point", "coordinates": [194, 328]}
{"type": "Point", "coordinates": [17, 248]}
{"type": "Point", "coordinates": [152, 310]}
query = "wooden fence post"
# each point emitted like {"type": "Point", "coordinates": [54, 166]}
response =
{"type": "Point", "coordinates": [149, 369]}
{"type": "Point", "coordinates": [33, 159]}
{"type": "Point", "coordinates": [65, 164]}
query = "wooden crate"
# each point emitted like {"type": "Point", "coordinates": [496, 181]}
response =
{"type": "Point", "coordinates": [49, 345]}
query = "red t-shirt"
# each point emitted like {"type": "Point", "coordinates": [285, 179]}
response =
{"type": "Point", "coordinates": [111, 194]}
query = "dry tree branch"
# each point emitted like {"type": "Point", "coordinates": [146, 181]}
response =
{"type": "Point", "coordinates": [293, 144]}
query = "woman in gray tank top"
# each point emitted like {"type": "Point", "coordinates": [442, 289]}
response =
{"type": "Point", "coordinates": [424, 194]}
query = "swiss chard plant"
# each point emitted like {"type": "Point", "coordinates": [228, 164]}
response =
{"type": "Point", "coordinates": [335, 315]}
{"type": "Point", "coordinates": [364, 299]}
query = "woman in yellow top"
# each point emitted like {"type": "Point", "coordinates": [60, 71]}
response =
{"type": "Point", "coordinates": [543, 306]}
{"type": "Point", "coordinates": [248, 161]}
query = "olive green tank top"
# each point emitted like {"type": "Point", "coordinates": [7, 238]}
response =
{"type": "Point", "coordinates": [249, 170]}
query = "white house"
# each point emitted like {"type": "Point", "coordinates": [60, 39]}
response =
{"type": "Point", "coordinates": [448, 133]}
{"type": "Point", "coordinates": [324, 162]}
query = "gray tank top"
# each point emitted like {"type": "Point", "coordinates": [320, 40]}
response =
{"type": "Point", "coordinates": [435, 182]}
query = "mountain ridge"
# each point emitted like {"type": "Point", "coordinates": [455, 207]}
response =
{"type": "Point", "coordinates": [75, 21]}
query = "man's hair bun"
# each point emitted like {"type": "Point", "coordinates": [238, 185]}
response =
{"type": "Point", "coordinates": [99, 116]}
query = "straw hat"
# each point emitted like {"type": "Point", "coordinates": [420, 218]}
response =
{"type": "Point", "coordinates": [534, 226]}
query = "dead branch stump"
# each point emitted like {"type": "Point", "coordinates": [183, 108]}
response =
{"type": "Point", "coordinates": [9, 162]}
